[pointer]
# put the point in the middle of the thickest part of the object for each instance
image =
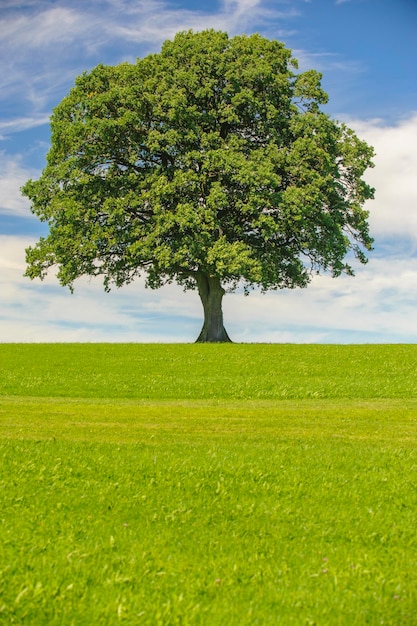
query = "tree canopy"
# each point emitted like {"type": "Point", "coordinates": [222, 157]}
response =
{"type": "Point", "coordinates": [211, 164]}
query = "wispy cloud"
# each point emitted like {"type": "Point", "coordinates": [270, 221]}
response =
{"type": "Point", "coordinates": [154, 21]}
{"type": "Point", "coordinates": [43, 29]}
{"type": "Point", "coordinates": [22, 123]}
{"type": "Point", "coordinates": [327, 62]}
{"type": "Point", "coordinates": [46, 44]}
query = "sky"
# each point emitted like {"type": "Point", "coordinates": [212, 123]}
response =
{"type": "Point", "coordinates": [366, 50]}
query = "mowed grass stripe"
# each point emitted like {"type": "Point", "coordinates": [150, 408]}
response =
{"type": "Point", "coordinates": [392, 421]}
{"type": "Point", "coordinates": [207, 371]}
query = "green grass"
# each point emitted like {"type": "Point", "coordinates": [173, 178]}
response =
{"type": "Point", "coordinates": [216, 485]}
{"type": "Point", "coordinates": [185, 371]}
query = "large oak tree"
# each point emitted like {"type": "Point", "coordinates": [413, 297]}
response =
{"type": "Point", "coordinates": [210, 164]}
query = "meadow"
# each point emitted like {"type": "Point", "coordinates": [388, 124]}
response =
{"type": "Point", "coordinates": [208, 485]}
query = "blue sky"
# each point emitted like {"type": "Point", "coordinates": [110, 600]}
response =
{"type": "Point", "coordinates": [367, 52]}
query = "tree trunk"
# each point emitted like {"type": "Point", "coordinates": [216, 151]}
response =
{"type": "Point", "coordinates": [211, 294]}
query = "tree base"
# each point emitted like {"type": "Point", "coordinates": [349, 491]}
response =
{"type": "Point", "coordinates": [211, 294]}
{"type": "Point", "coordinates": [206, 337]}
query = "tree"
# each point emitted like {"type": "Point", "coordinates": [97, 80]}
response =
{"type": "Point", "coordinates": [209, 164]}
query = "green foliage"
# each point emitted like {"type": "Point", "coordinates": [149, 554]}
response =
{"type": "Point", "coordinates": [212, 157]}
{"type": "Point", "coordinates": [196, 508]}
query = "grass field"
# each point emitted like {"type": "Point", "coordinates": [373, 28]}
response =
{"type": "Point", "coordinates": [207, 484]}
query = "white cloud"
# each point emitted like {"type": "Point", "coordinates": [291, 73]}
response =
{"type": "Point", "coordinates": [378, 304]}
{"type": "Point", "coordinates": [45, 311]}
{"type": "Point", "coordinates": [12, 176]}
{"type": "Point", "coordinates": [393, 213]}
